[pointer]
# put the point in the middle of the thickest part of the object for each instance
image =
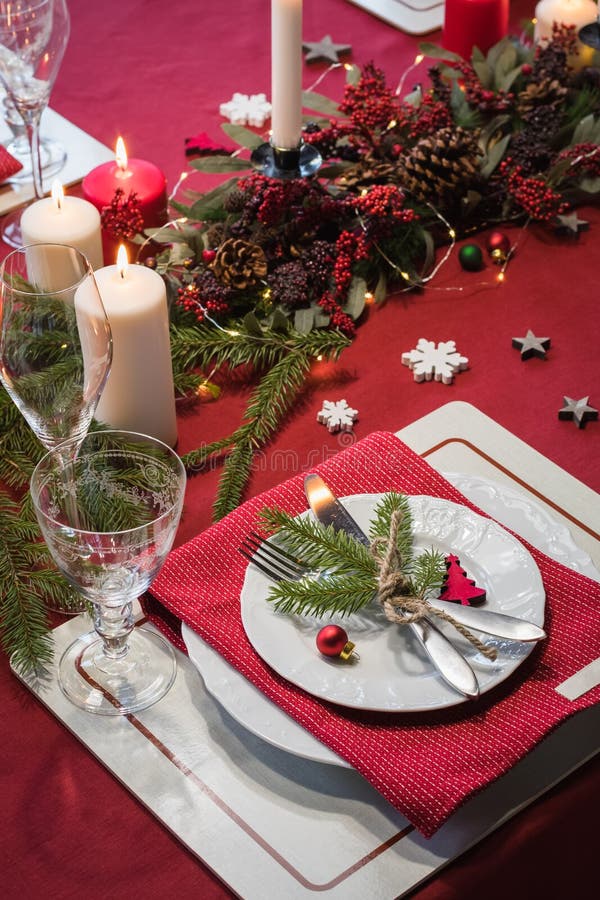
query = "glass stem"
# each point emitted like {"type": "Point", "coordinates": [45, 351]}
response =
{"type": "Point", "coordinates": [113, 621]}
{"type": "Point", "coordinates": [32, 125]}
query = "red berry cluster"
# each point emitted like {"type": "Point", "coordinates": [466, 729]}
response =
{"type": "Point", "coordinates": [586, 159]}
{"type": "Point", "coordinates": [122, 218]}
{"type": "Point", "coordinates": [337, 317]}
{"type": "Point", "coordinates": [188, 297]}
{"type": "Point", "coordinates": [370, 104]}
{"type": "Point", "coordinates": [534, 195]}
{"type": "Point", "coordinates": [385, 201]}
{"type": "Point", "coordinates": [477, 96]}
{"type": "Point", "coordinates": [349, 248]}
{"type": "Point", "coordinates": [430, 116]}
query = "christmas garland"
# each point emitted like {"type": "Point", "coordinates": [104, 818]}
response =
{"type": "Point", "coordinates": [269, 275]}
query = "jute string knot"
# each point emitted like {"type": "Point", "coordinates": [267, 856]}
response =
{"type": "Point", "coordinates": [399, 605]}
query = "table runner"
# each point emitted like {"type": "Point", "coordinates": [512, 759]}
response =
{"type": "Point", "coordinates": [425, 764]}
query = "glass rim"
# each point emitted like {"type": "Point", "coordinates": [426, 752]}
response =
{"type": "Point", "coordinates": [89, 271]}
{"type": "Point", "coordinates": [55, 451]}
{"type": "Point", "coordinates": [30, 7]}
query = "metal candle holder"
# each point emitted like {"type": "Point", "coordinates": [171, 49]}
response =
{"type": "Point", "coordinates": [280, 162]}
{"type": "Point", "coordinates": [590, 35]}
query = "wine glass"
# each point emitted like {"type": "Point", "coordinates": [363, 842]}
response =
{"type": "Point", "coordinates": [126, 493]}
{"type": "Point", "coordinates": [33, 38]}
{"type": "Point", "coordinates": [53, 155]}
{"type": "Point", "coordinates": [55, 345]}
{"type": "Point", "coordinates": [55, 339]}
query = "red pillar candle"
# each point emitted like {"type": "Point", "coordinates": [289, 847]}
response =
{"type": "Point", "coordinates": [131, 175]}
{"type": "Point", "coordinates": [474, 23]}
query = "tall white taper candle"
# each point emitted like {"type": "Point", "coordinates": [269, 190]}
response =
{"type": "Point", "coordinates": [286, 73]}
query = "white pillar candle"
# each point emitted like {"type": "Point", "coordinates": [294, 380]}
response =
{"type": "Point", "coordinates": [139, 394]}
{"type": "Point", "coordinates": [63, 220]}
{"type": "Point", "coordinates": [286, 73]}
{"type": "Point", "coordinates": [566, 12]}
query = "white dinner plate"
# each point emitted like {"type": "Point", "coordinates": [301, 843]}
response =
{"type": "Point", "coordinates": [394, 673]}
{"type": "Point", "coordinates": [254, 711]}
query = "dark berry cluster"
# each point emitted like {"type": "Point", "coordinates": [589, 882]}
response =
{"type": "Point", "coordinates": [205, 295]}
{"type": "Point", "coordinates": [290, 285]}
{"type": "Point", "coordinates": [318, 259]}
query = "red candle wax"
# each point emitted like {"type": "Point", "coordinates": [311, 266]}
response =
{"type": "Point", "coordinates": [474, 23]}
{"type": "Point", "coordinates": [131, 175]}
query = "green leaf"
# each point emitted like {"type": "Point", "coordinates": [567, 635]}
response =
{"type": "Point", "coordinates": [319, 103]}
{"type": "Point", "coordinates": [506, 82]}
{"type": "Point", "coordinates": [505, 63]}
{"type": "Point", "coordinates": [252, 325]}
{"type": "Point", "coordinates": [590, 185]}
{"type": "Point", "coordinates": [210, 205]}
{"type": "Point", "coordinates": [242, 136]}
{"type": "Point", "coordinates": [436, 52]}
{"type": "Point", "coordinates": [380, 292]}
{"type": "Point", "coordinates": [484, 73]}
{"type": "Point", "coordinates": [355, 299]}
{"type": "Point", "coordinates": [494, 156]}
{"type": "Point", "coordinates": [587, 131]}
{"type": "Point", "coordinates": [221, 164]}
{"type": "Point", "coordinates": [353, 74]}
{"type": "Point", "coordinates": [280, 321]}
{"type": "Point", "coordinates": [304, 320]}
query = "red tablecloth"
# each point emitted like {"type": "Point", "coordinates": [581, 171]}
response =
{"type": "Point", "coordinates": [156, 72]}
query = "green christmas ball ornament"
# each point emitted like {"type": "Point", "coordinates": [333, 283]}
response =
{"type": "Point", "coordinates": [471, 257]}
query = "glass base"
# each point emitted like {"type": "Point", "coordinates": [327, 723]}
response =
{"type": "Point", "coordinates": [11, 228]}
{"type": "Point", "coordinates": [115, 687]}
{"type": "Point", "coordinates": [53, 157]}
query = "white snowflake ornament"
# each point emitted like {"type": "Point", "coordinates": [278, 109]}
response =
{"type": "Point", "coordinates": [337, 415]}
{"type": "Point", "coordinates": [440, 363]}
{"type": "Point", "coordinates": [247, 110]}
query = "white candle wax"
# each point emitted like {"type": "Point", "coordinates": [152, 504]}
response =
{"type": "Point", "coordinates": [566, 12]}
{"type": "Point", "coordinates": [139, 394]}
{"type": "Point", "coordinates": [286, 73]}
{"type": "Point", "coordinates": [71, 221]}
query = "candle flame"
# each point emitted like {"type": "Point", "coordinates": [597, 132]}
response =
{"type": "Point", "coordinates": [121, 154]}
{"type": "Point", "coordinates": [122, 260]}
{"type": "Point", "coordinates": [58, 195]}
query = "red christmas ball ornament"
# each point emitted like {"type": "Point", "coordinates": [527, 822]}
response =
{"type": "Point", "coordinates": [208, 256]}
{"type": "Point", "coordinates": [498, 245]}
{"type": "Point", "coordinates": [332, 640]}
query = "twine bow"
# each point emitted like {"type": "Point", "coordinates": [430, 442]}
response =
{"type": "Point", "coordinates": [399, 605]}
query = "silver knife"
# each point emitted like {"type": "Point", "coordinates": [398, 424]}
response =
{"type": "Point", "coordinates": [451, 665]}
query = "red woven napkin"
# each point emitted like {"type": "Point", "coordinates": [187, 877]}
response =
{"type": "Point", "coordinates": [9, 166]}
{"type": "Point", "coordinates": [426, 765]}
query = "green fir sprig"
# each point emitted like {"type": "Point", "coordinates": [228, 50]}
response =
{"type": "Point", "coordinates": [342, 572]}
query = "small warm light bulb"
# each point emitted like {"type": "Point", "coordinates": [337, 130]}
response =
{"type": "Point", "coordinates": [369, 297]}
{"type": "Point", "coordinates": [405, 275]}
{"type": "Point", "coordinates": [500, 277]}
{"type": "Point", "coordinates": [451, 233]}
{"type": "Point", "coordinates": [319, 358]}
{"type": "Point", "coordinates": [348, 67]}
{"type": "Point", "coordinates": [121, 154]}
{"type": "Point", "coordinates": [233, 333]}
{"type": "Point", "coordinates": [122, 260]}
{"type": "Point", "coordinates": [419, 59]}
{"type": "Point", "coordinates": [58, 195]}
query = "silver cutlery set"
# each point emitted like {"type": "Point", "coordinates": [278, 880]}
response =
{"type": "Point", "coordinates": [277, 564]}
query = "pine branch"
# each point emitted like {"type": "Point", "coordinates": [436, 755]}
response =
{"type": "Point", "coordinates": [326, 595]}
{"type": "Point", "coordinates": [427, 573]}
{"type": "Point", "coordinates": [233, 480]}
{"type": "Point", "coordinates": [319, 546]}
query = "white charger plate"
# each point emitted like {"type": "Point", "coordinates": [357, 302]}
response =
{"type": "Point", "coordinates": [252, 709]}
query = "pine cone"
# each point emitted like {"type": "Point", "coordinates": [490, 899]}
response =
{"type": "Point", "coordinates": [239, 264]}
{"type": "Point", "coordinates": [367, 173]}
{"type": "Point", "coordinates": [548, 92]}
{"type": "Point", "coordinates": [442, 166]}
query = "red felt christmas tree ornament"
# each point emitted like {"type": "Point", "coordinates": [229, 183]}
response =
{"type": "Point", "coordinates": [458, 587]}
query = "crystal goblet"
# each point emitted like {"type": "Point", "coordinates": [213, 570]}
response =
{"type": "Point", "coordinates": [33, 38]}
{"type": "Point", "coordinates": [125, 492]}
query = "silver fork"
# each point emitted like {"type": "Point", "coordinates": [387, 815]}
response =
{"type": "Point", "coordinates": [278, 565]}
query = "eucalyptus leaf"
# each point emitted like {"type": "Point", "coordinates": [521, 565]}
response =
{"type": "Point", "coordinates": [304, 320]}
{"type": "Point", "coordinates": [415, 98]}
{"type": "Point", "coordinates": [587, 130]}
{"type": "Point", "coordinates": [319, 103]}
{"type": "Point", "coordinates": [252, 325]}
{"type": "Point", "coordinates": [380, 292]}
{"type": "Point", "coordinates": [484, 73]}
{"type": "Point", "coordinates": [505, 63]}
{"type": "Point", "coordinates": [220, 164]}
{"type": "Point", "coordinates": [494, 156]}
{"type": "Point", "coordinates": [590, 185]}
{"type": "Point", "coordinates": [321, 319]}
{"type": "Point", "coordinates": [506, 82]}
{"type": "Point", "coordinates": [166, 235]}
{"type": "Point", "coordinates": [355, 299]}
{"type": "Point", "coordinates": [279, 321]}
{"type": "Point", "coordinates": [242, 136]}
{"type": "Point", "coordinates": [436, 52]}
{"type": "Point", "coordinates": [429, 251]}
{"type": "Point", "coordinates": [210, 205]}
{"type": "Point", "coordinates": [353, 74]}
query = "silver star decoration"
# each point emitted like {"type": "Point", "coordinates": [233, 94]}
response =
{"type": "Point", "coordinates": [578, 410]}
{"type": "Point", "coordinates": [571, 224]}
{"type": "Point", "coordinates": [530, 345]}
{"type": "Point", "coordinates": [325, 49]}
